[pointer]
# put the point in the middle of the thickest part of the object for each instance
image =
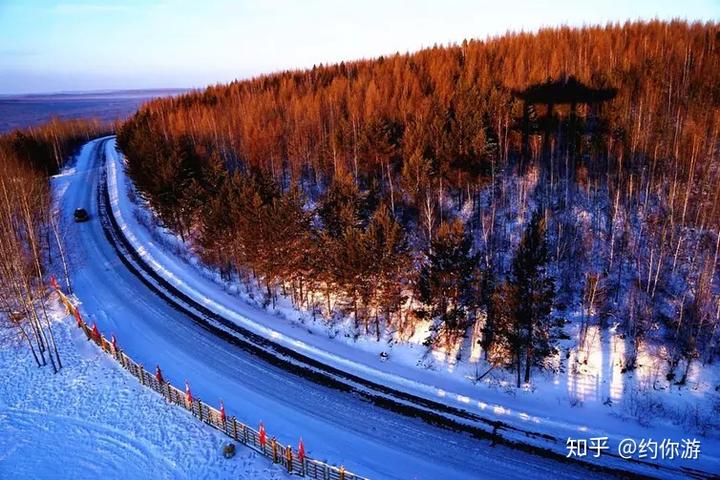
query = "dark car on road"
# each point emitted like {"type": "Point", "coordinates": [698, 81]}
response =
{"type": "Point", "coordinates": [81, 215]}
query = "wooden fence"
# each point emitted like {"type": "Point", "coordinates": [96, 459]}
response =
{"type": "Point", "coordinates": [293, 461]}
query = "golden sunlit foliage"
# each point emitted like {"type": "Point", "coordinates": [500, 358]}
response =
{"type": "Point", "coordinates": [438, 136]}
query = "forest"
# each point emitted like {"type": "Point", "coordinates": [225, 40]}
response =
{"type": "Point", "coordinates": [424, 189]}
{"type": "Point", "coordinates": [31, 234]}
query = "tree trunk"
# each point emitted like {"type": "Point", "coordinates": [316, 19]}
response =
{"type": "Point", "coordinates": [528, 362]}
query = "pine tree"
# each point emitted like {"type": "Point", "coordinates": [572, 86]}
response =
{"type": "Point", "coordinates": [535, 289]}
{"type": "Point", "coordinates": [500, 333]}
{"type": "Point", "coordinates": [341, 206]}
{"type": "Point", "coordinates": [388, 251]}
{"type": "Point", "coordinates": [445, 284]}
{"type": "Point", "coordinates": [351, 264]}
{"type": "Point", "coordinates": [285, 227]}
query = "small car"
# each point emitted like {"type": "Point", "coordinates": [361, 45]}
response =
{"type": "Point", "coordinates": [81, 215]}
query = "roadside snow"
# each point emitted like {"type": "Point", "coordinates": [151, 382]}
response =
{"type": "Point", "coordinates": [93, 420]}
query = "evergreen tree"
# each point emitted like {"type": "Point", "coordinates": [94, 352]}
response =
{"type": "Point", "coordinates": [351, 264]}
{"type": "Point", "coordinates": [388, 251]}
{"type": "Point", "coordinates": [285, 237]}
{"type": "Point", "coordinates": [341, 206]}
{"type": "Point", "coordinates": [535, 290]}
{"type": "Point", "coordinates": [445, 284]}
{"type": "Point", "coordinates": [500, 333]}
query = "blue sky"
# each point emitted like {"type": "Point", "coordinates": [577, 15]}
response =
{"type": "Point", "coordinates": [57, 45]}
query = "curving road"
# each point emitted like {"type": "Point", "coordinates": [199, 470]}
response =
{"type": "Point", "coordinates": [339, 427]}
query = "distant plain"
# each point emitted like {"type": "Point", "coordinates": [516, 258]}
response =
{"type": "Point", "coordinates": [22, 111]}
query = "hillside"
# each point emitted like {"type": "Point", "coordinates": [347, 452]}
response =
{"type": "Point", "coordinates": [513, 200]}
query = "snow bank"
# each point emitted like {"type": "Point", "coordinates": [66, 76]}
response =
{"type": "Point", "coordinates": [93, 420]}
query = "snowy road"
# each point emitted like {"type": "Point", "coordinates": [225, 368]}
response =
{"type": "Point", "coordinates": [339, 427]}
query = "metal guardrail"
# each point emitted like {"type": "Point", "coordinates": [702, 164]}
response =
{"type": "Point", "coordinates": [293, 460]}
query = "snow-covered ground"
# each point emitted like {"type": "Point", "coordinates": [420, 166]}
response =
{"type": "Point", "coordinates": [586, 398]}
{"type": "Point", "coordinates": [94, 420]}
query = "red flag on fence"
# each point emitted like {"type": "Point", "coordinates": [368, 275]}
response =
{"type": "Point", "coordinates": [95, 332]}
{"type": "Point", "coordinates": [188, 393]}
{"type": "Point", "coordinates": [222, 411]}
{"type": "Point", "coordinates": [113, 340]}
{"type": "Point", "coordinates": [301, 451]}
{"type": "Point", "coordinates": [159, 375]}
{"type": "Point", "coordinates": [53, 282]}
{"type": "Point", "coordinates": [263, 436]}
{"type": "Point", "coordinates": [78, 318]}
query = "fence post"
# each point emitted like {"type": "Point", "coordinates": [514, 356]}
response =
{"type": "Point", "coordinates": [289, 458]}
{"type": "Point", "coordinates": [142, 375]}
{"type": "Point", "coordinates": [235, 435]}
{"type": "Point", "coordinates": [342, 472]}
{"type": "Point", "coordinates": [245, 434]}
{"type": "Point", "coordinates": [199, 403]}
{"type": "Point", "coordinates": [273, 443]}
